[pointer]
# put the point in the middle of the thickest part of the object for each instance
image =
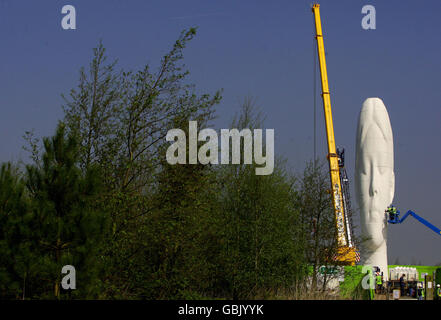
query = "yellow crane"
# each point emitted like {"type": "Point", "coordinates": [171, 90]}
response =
{"type": "Point", "coordinates": [346, 250]}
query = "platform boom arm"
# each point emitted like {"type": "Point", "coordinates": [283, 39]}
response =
{"type": "Point", "coordinates": [417, 217]}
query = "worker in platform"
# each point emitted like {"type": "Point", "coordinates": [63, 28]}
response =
{"type": "Point", "coordinates": [412, 291]}
{"type": "Point", "coordinates": [402, 284]}
{"type": "Point", "coordinates": [379, 281]}
{"type": "Point", "coordinates": [438, 291]}
{"type": "Point", "coordinates": [420, 291]}
{"type": "Point", "coordinates": [392, 211]}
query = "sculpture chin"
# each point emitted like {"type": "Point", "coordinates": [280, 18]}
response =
{"type": "Point", "coordinates": [375, 236]}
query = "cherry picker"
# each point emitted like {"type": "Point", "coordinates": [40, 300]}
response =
{"type": "Point", "coordinates": [394, 218]}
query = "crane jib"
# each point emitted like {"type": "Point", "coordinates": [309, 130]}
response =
{"type": "Point", "coordinates": [340, 204]}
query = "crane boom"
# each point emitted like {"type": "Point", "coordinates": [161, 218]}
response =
{"type": "Point", "coordinates": [346, 252]}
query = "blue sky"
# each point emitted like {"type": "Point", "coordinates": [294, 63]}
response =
{"type": "Point", "coordinates": [262, 49]}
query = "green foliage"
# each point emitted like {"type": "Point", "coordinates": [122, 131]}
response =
{"type": "Point", "coordinates": [49, 219]}
{"type": "Point", "coordinates": [16, 259]}
{"type": "Point", "coordinates": [100, 196]}
{"type": "Point", "coordinates": [259, 253]}
{"type": "Point", "coordinates": [67, 225]}
{"type": "Point", "coordinates": [351, 287]}
{"type": "Point", "coordinates": [317, 219]}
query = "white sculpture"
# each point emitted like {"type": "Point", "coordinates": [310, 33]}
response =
{"type": "Point", "coordinates": [374, 180]}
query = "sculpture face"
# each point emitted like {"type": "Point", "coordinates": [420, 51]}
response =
{"type": "Point", "coordinates": [374, 178]}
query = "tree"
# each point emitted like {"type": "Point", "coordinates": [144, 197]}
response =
{"type": "Point", "coordinates": [91, 111]}
{"type": "Point", "coordinates": [18, 259]}
{"type": "Point", "coordinates": [120, 119]}
{"type": "Point", "coordinates": [101, 196]}
{"type": "Point", "coordinates": [66, 224]}
{"type": "Point", "coordinates": [317, 219]}
{"type": "Point", "coordinates": [260, 252]}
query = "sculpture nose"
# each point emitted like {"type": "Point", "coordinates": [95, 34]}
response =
{"type": "Point", "coordinates": [373, 186]}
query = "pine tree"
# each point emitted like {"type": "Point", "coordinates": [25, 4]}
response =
{"type": "Point", "coordinates": [67, 225]}
{"type": "Point", "coordinates": [17, 257]}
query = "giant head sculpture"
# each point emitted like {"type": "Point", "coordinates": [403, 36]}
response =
{"type": "Point", "coordinates": [374, 180]}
